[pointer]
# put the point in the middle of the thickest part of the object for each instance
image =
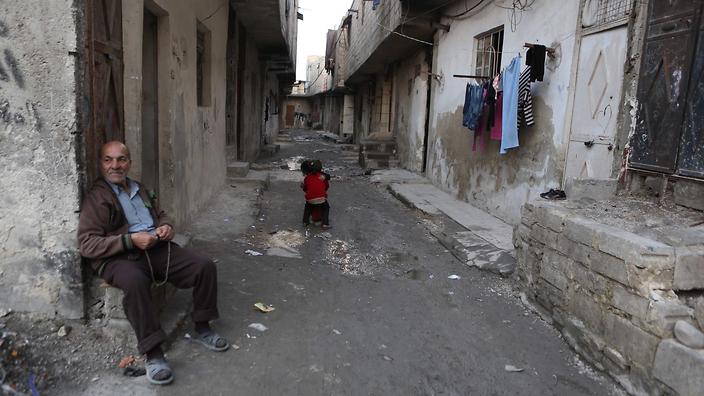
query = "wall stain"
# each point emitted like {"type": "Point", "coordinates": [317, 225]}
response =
{"type": "Point", "coordinates": [5, 113]}
{"type": "Point", "coordinates": [3, 74]}
{"type": "Point", "coordinates": [14, 68]}
{"type": "Point", "coordinates": [4, 31]}
{"type": "Point", "coordinates": [482, 177]}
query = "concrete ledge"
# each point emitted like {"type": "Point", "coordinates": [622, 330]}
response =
{"type": "Point", "coordinates": [596, 189]}
{"type": "Point", "coordinates": [237, 169]}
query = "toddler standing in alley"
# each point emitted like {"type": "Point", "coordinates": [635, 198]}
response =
{"type": "Point", "coordinates": [315, 185]}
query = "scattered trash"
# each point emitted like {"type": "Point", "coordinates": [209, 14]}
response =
{"type": "Point", "coordinates": [215, 261]}
{"type": "Point", "coordinates": [134, 371]}
{"type": "Point", "coordinates": [94, 379]}
{"type": "Point", "coordinates": [5, 311]}
{"type": "Point", "coordinates": [253, 252]}
{"type": "Point", "coordinates": [131, 359]}
{"type": "Point", "coordinates": [233, 186]}
{"type": "Point", "coordinates": [336, 331]}
{"type": "Point", "coordinates": [431, 276]}
{"type": "Point", "coordinates": [387, 358]}
{"type": "Point", "coordinates": [187, 336]}
{"type": "Point", "coordinates": [258, 327]}
{"type": "Point", "coordinates": [226, 220]}
{"type": "Point", "coordinates": [512, 369]}
{"type": "Point", "coordinates": [32, 385]}
{"type": "Point", "coordinates": [63, 331]}
{"type": "Point", "coordinates": [454, 277]}
{"type": "Point", "coordinates": [283, 251]}
{"type": "Point", "coordinates": [264, 307]}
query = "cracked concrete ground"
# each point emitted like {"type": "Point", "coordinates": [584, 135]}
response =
{"type": "Point", "coordinates": [368, 308]}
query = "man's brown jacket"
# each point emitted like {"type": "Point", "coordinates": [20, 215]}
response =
{"type": "Point", "coordinates": [102, 225]}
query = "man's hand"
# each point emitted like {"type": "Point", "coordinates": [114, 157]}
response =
{"type": "Point", "coordinates": [143, 240]}
{"type": "Point", "coordinates": [165, 232]}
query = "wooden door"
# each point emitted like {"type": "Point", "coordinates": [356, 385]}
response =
{"type": "Point", "coordinates": [289, 116]}
{"type": "Point", "coordinates": [668, 52]}
{"type": "Point", "coordinates": [104, 72]}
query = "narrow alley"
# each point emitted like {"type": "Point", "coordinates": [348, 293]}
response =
{"type": "Point", "coordinates": [367, 308]}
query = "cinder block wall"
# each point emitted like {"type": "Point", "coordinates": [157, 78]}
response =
{"type": "Point", "coordinates": [614, 296]}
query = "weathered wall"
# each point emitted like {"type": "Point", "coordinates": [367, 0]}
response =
{"type": "Point", "coordinates": [191, 137]}
{"type": "Point", "coordinates": [367, 31]}
{"type": "Point", "coordinates": [252, 106]}
{"type": "Point", "coordinates": [331, 113]}
{"type": "Point", "coordinates": [410, 109]}
{"type": "Point", "coordinates": [498, 183]}
{"type": "Point", "coordinates": [39, 263]}
{"type": "Point", "coordinates": [270, 108]}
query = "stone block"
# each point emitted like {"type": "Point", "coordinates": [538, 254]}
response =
{"type": "Point", "coordinates": [551, 216]}
{"type": "Point", "coordinates": [548, 295]}
{"type": "Point", "coordinates": [554, 275]}
{"type": "Point", "coordinates": [521, 234]}
{"type": "Point", "coordinates": [588, 279]}
{"type": "Point", "coordinates": [689, 194]}
{"type": "Point", "coordinates": [581, 230]}
{"type": "Point", "coordinates": [632, 304]}
{"type": "Point", "coordinates": [596, 189]}
{"type": "Point", "coordinates": [574, 250]}
{"type": "Point", "coordinates": [680, 368]}
{"type": "Point", "coordinates": [638, 345]}
{"type": "Point", "coordinates": [237, 169]}
{"type": "Point", "coordinates": [662, 316]}
{"type": "Point", "coordinates": [629, 246]}
{"type": "Point", "coordinates": [699, 312]}
{"type": "Point", "coordinates": [689, 268]}
{"type": "Point", "coordinates": [618, 361]}
{"type": "Point", "coordinates": [688, 335]}
{"type": "Point", "coordinates": [609, 266]}
{"type": "Point", "coordinates": [650, 273]}
{"type": "Point", "coordinates": [587, 309]}
{"type": "Point", "coordinates": [528, 214]}
{"type": "Point", "coordinates": [543, 235]}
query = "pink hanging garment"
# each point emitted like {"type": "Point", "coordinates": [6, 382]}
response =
{"type": "Point", "coordinates": [496, 130]}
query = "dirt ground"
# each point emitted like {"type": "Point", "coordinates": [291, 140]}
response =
{"type": "Point", "coordinates": [41, 353]}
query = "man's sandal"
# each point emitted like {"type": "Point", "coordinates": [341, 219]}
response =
{"type": "Point", "coordinates": [156, 366]}
{"type": "Point", "coordinates": [210, 339]}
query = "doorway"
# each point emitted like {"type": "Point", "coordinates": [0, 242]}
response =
{"type": "Point", "coordinates": [150, 103]}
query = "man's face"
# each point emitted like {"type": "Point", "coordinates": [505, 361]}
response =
{"type": "Point", "coordinates": [115, 162]}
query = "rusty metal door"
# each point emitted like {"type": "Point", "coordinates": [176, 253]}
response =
{"type": "Point", "coordinates": [289, 116]}
{"type": "Point", "coordinates": [104, 70]}
{"type": "Point", "coordinates": [670, 42]}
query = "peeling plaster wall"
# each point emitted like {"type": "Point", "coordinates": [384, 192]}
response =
{"type": "Point", "coordinates": [410, 109]}
{"type": "Point", "coordinates": [39, 263]}
{"type": "Point", "coordinates": [191, 137]}
{"type": "Point", "coordinates": [253, 103]}
{"type": "Point", "coordinates": [498, 183]}
{"type": "Point", "coordinates": [271, 118]}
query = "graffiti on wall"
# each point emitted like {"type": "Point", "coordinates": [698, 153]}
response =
{"type": "Point", "coordinates": [11, 75]}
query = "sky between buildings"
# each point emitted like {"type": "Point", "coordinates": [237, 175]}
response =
{"type": "Point", "coordinates": [318, 17]}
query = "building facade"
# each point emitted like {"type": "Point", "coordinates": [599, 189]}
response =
{"type": "Point", "coordinates": [167, 77]}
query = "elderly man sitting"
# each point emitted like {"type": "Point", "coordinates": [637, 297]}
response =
{"type": "Point", "coordinates": [128, 241]}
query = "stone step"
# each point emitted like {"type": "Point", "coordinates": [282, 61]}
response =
{"type": "Point", "coordinates": [377, 146]}
{"type": "Point", "coordinates": [378, 155]}
{"type": "Point", "coordinates": [237, 169]}
{"type": "Point", "coordinates": [270, 149]}
{"type": "Point", "coordinates": [378, 163]}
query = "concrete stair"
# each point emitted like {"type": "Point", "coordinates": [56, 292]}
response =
{"type": "Point", "coordinates": [237, 169]}
{"type": "Point", "coordinates": [378, 154]}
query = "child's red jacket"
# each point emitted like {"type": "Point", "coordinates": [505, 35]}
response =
{"type": "Point", "coordinates": [316, 187]}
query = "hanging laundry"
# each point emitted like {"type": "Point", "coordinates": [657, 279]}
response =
{"type": "Point", "coordinates": [535, 58]}
{"type": "Point", "coordinates": [375, 4]}
{"type": "Point", "coordinates": [525, 98]}
{"type": "Point", "coordinates": [496, 129]}
{"type": "Point", "coordinates": [482, 122]}
{"type": "Point", "coordinates": [472, 106]}
{"type": "Point", "coordinates": [509, 133]}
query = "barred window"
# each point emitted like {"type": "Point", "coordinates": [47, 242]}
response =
{"type": "Point", "coordinates": [600, 13]}
{"type": "Point", "coordinates": [489, 46]}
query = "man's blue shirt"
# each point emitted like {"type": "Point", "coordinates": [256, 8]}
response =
{"type": "Point", "coordinates": [137, 214]}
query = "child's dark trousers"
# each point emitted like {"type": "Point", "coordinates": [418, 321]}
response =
{"type": "Point", "coordinates": [324, 212]}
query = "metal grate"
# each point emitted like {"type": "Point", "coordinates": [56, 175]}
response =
{"type": "Point", "coordinates": [609, 11]}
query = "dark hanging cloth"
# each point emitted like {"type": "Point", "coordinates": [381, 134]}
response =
{"type": "Point", "coordinates": [535, 58]}
{"type": "Point", "coordinates": [375, 4]}
{"type": "Point", "coordinates": [490, 105]}
{"type": "Point", "coordinates": [472, 106]}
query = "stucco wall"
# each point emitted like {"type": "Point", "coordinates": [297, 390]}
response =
{"type": "Point", "coordinates": [410, 109]}
{"type": "Point", "coordinates": [494, 182]}
{"type": "Point", "coordinates": [300, 105]}
{"type": "Point", "coordinates": [271, 118]}
{"type": "Point", "coordinates": [252, 106]}
{"type": "Point", "coordinates": [39, 264]}
{"type": "Point", "coordinates": [191, 137]}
